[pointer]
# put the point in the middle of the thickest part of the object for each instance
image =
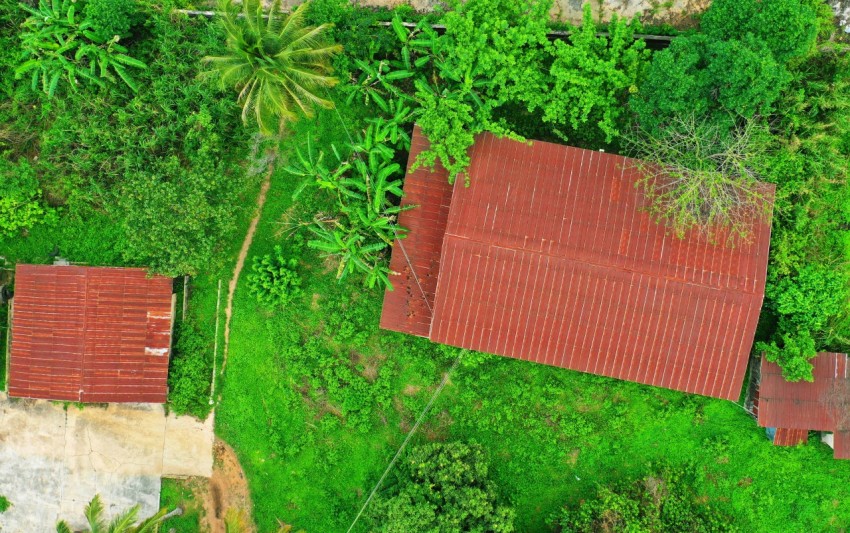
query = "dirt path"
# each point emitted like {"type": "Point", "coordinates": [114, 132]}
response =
{"type": "Point", "coordinates": [227, 494]}
{"type": "Point", "coordinates": [240, 262]}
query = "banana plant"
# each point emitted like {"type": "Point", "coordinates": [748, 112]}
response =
{"type": "Point", "coordinates": [311, 167]}
{"type": "Point", "coordinates": [353, 251]}
{"type": "Point", "coordinates": [57, 45]}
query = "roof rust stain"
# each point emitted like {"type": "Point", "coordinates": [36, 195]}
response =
{"type": "Point", "coordinates": [550, 256]}
{"type": "Point", "coordinates": [90, 334]}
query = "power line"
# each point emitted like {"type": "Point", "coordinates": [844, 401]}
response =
{"type": "Point", "coordinates": [446, 376]}
{"type": "Point", "coordinates": [406, 440]}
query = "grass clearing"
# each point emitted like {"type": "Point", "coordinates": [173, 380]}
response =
{"type": "Point", "coordinates": [181, 493]}
{"type": "Point", "coordinates": [313, 444]}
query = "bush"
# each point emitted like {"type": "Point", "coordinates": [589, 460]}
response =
{"type": "Point", "coordinates": [788, 28]}
{"type": "Point", "coordinates": [273, 279]}
{"type": "Point", "coordinates": [662, 501]}
{"type": "Point", "coordinates": [190, 373]}
{"type": "Point", "coordinates": [4, 504]}
{"type": "Point", "coordinates": [109, 18]}
{"type": "Point", "coordinates": [442, 487]}
{"type": "Point", "coordinates": [720, 80]}
{"type": "Point", "coordinates": [20, 198]}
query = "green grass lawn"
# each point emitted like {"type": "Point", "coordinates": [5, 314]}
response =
{"type": "Point", "coordinates": [313, 440]}
{"type": "Point", "coordinates": [178, 493]}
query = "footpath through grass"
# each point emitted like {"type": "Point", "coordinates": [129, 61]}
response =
{"type": "Point", "coordinates": [317, 399]}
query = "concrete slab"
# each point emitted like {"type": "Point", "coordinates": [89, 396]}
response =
{"type": "Point", "coordinates": [188, 446]}
{"type": "Point", "coordinates": [53, 460]}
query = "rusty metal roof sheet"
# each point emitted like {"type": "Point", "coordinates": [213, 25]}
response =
{"type": "Point", "coordinates": [549, 256]}
{"type": "Point", "coordinates": [404, 308]}
{"type": "Point", "coordinates": [790, 437]}
{"type": "Point", "coordinates": [90, 334]}
{"type": "Point", "coordinates": [820, 405]}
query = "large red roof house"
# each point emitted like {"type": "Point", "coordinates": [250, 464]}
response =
{"type": "Point", "coordinates": [550, 256]}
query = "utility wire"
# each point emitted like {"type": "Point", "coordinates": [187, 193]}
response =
{"type": "Point", "coordinates": [406, 440]}
{"type": "Point", "coordinates": [446, 376]}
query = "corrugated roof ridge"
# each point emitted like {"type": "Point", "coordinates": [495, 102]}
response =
{"type": "Point", "coordinates": [600, 265]}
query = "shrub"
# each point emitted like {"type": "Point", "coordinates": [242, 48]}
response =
{"type": "Point", "coordinates": [4, 504]}
{"type": "Point", "coordinates": [788, 28]}
{"type": "Point", "coordinates": [190, 373]}
{"type": "Point", "coordinates": [662, 501]}
{"type": "Point", "coordinates": [109, 18]}
{"type": "Point", "coordinates": [20, 198]}
{"type": "Point", "coordinates": [273, 279]}
{"type": "Point", "coordinates": [442, 487]}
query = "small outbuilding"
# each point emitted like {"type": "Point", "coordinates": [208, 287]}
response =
{"type": "Point", "coordinates": [90, 334]}
{"type": "Point", "coordinates": [793, 409]}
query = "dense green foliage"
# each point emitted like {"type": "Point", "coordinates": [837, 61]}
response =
{"type": "Point", "coordinates": [276, 63]}
{"type": "Point", "coordinates": [273, 279]}
{"type": "Point", "coordinates": [661, 501]}
{"type": "Point", "coordinates": [20, 198]}
{"type": "Point", "coordinates": [155, 177]}
{"type": "Point", "coordinates": [722, 81]}
{"type": "Point", "coordinates": [109, 18]}
{"type": "Point", "coordinates": [808, 283]}
{"type": "Point", "coordinates": [4, 504]}
{"type": "Point", "coordinates": [788, 28]}
{"type": "Point", "coordinates": [190, 371]}
{"type": "Point", "coordinates": [441, 487]}
{"type": "Point", "coordinates": [495, 56]}
{"type": "Point", "coordinates": [57, 45]}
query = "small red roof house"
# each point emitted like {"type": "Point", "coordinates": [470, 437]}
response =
{"type": "Point", "coordinates": [550, 256]}
{"type": "Point", "coordinates": [87, 334]}
{"type": "Point", "coordinates": [795, 408]}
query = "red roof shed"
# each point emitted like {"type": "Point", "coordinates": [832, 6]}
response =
{"type": "Point", "coordinates": [550, 256]}
{"type": "Point", "coordinates": [90, 334]}
{"type": "Point", "coordinates": [821, 405]}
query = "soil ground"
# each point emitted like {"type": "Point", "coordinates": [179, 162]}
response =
{"type": "Point", "coordinates": [225, 493]}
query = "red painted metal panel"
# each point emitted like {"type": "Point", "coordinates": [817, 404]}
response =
{"type": "Point", "coordinates": [790, 437]}
{"type": "Point", "coordinates": [90, 334]}
{"type": "Point", "coordinates": [820, 405]}
{"type": "Point", "coordinates": [841, 441]}
{"type": "Point", "coordinates": [405, 308]}
{"type": "Point", "coordinates": [549, 256]}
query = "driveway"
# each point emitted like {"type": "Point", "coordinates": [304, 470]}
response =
{"type": "Point", "coordinates": [53, 460]}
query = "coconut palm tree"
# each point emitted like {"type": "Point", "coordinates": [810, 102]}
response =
{"type": "Point", "coordinates": [276, 62]}
{"type": "Point", "coordinates": [123, 523]}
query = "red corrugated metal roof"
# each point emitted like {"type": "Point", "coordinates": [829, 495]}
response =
{"type": "Point", "coordinates": [549, 257]}
{"type": "Point", "coordinates": [841, 441]}
{"type": "Point", "coordinates": [404, 308]}
{"type": "Point", "coordinates": [90, 334]}
{"type": "Point", "coordinates": [821, 405]}
{"type": "Point", "coordinates": [790, 437]}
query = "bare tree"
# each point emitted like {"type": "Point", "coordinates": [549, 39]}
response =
{"type": "Point", "coordinates": [699, 177]}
